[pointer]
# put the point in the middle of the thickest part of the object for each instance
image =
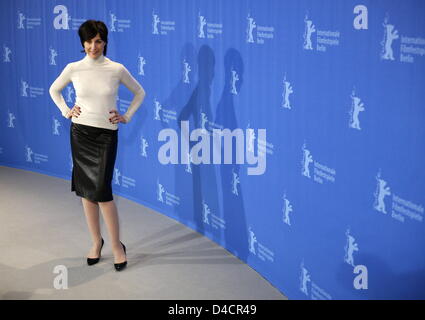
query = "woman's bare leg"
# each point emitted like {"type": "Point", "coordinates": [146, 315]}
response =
{"type": "Point", "coordinates": [110, 215]}
{"type": "Point", "coordinates": [91, 210]}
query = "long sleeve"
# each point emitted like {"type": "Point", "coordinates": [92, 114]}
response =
{"type": "Point", "coordinates": [57, 87]}
{"type": "Point", "coordinates": [138, 91]}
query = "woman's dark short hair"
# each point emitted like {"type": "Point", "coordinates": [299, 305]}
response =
{"type": "Point", "coordinates": [89, 29]}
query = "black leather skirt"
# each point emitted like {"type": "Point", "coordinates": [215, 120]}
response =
{"type": "Point", "coordinates": [94, 152]}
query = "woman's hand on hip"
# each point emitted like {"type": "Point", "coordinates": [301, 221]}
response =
{"type": "Point", "coordinates": [116, 117]}
{"type": "Point", "coordinates": [74, 112]}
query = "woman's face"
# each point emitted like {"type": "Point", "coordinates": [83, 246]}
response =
{"type": "Point", "coordinates": [94, 47]}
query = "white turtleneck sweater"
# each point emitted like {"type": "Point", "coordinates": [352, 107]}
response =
{"type": "Point", "coordinates": [96, 83]}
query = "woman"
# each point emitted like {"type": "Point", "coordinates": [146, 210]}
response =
{"type": "Point", "coordinates": [94, 132]}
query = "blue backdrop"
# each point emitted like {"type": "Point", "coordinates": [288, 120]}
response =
{"type": "Point", "coordinates": [335, 207]}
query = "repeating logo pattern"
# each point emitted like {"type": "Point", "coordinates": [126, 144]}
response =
{"type": "Point", "coordinates": [6, 53]}
{"type": "Point", "coordinates": [123, 181]}
{"type": "Point", "coordinates": [350, 248]}
{"type": "Point", "coordinates": [10, 119]}
{"type": "Point", "coordinates": [410, 47]}
{"type": "Point", "coordinates": [26, 23]}
{"type": "Point", "coordinates": [324, 38]}
{"type": "Point", "coordinates": [118, 25]}
{"type": "Point", "coordinates": [287, 91]}
{"type": "Point", "coordinates": [235, 183]}
{"type": "Point", "coordinates": [357, 106]}
{"type": "Point", "coordinates": [211, 219]}
{"type": "Point", "coordinates": [321, 172]}
{"type": "Point", "coordinates": [257, 33]}
{"type": "Point", "coordinates": [208, 30]}
{"type": "Point", "coordinates": [55, 126]}
{"type": "Point", "coordinates": [143, 147]}
{"type": "Point", "coordinates": [310, 288]}
{"type": "Point", "coordinates": [28, 91]}
{"type": "Point", "coordinates": [160, 27]}
{"type": "Point", "coordinates": [52, 56]}
{"type": "Point", "coordinates": [186, 70]}
{"type": "Point", "coordinates": [287, 210]}
{"type": "Point", "coordinates": [163, 114]}
{"type": "Point", "coordinates": [390, 34]}
{"type": "Point", "coordinates": [320, 39]}
{"type": "Point", "coordinates": [141, 61]}
{"type": "Point", "coordinates": [33, 157]}
{"type": "Point", "coordinates": [389, 203]}
{"type": "Point", "coordinates": [166, 197]}
{"type": "Point", "coordinates": [258, 249]}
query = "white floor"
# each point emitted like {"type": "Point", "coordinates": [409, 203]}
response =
{"type": "Point", "coordinates": [43, 226]}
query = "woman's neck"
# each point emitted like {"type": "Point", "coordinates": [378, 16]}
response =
{"type": "Point", "coordinates": [94, 61]}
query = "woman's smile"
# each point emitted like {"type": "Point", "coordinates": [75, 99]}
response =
{"type": "Point", "coordinates": [94, 47]}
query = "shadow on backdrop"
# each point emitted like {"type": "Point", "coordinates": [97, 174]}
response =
{"type": "Point", "coordinates": [236, 233]}
{"type": "Point", "coordinates": [198, 112]}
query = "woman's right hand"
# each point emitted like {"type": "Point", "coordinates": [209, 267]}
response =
{"type": "Point", "coordinates": [74, 112]}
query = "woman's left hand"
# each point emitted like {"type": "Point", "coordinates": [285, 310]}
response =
{"type": "Point", "coordinates": [116, 118]}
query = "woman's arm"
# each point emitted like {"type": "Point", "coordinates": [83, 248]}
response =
{"type": "Point", "coordinates": [57, 87]}
{"type": "Point", "coordinates": [138, 91]}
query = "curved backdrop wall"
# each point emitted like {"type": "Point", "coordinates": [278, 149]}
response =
{"type": "Point", "coordinates": [289, 132]}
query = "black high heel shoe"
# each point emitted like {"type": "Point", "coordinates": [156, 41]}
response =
{"type": "Point", "coordinates": [92, 261]}
{"type": "Point", "coordinates": [121, 266]}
